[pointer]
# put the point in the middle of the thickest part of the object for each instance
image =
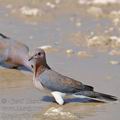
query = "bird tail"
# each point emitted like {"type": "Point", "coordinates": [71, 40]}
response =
{"type": "Point", "coordinates": [96, 96]}
{"type": "Point", "coordinates": [4, 36]}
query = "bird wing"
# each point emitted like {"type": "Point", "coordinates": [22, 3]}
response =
{"type": "Point", "coordinates": [57, 82]}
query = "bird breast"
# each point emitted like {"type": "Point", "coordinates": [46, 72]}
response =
{"type": "Point", "coordinates": [37, 84]}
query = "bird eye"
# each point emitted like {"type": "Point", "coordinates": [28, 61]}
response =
{"type": "Point", "coordinates": [39, 53]}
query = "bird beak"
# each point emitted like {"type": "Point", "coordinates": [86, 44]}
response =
{"type": "Point", "coordinates": [31, 58]}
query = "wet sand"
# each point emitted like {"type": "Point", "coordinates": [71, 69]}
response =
{"type": "Point", "coordinates": [63, 28]}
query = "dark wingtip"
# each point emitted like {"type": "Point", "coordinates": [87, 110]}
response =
{"type": "Point", "coordinates": [88, 88]}
{"type": "Point", "coordinates": [3, 36]}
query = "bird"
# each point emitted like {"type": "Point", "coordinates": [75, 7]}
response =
{"type": "Point", "coordinates": [14, 53]}
{"type": "Point", "coordinates": [48, 80]}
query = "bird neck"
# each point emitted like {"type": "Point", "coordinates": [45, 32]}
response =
{"type": "Point", "coordinates": [39, 68]}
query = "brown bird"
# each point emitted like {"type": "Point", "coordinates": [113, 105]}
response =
{"type": "Point", "coordinates": [59, 85]}
{"type": "Point", "coordinates": [14, 53]}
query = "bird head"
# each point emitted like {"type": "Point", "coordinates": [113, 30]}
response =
{"type": "Point", "coordinates": [39, 57]}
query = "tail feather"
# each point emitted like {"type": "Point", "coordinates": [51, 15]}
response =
{"type": "Point", "coordinates": [97, 95]}
{"type": "Point", "coordinates": [3, 36]}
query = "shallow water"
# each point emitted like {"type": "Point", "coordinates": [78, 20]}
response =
{"type": "Point", "coordinates": [18, 97]}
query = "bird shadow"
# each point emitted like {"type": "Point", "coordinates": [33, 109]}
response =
{"type": "Point", "coordinates": [72, 100]}
{"type": "Point", "coordinates": [24, 69]}
{"type": "Point", "coordinates": [2, 64]}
